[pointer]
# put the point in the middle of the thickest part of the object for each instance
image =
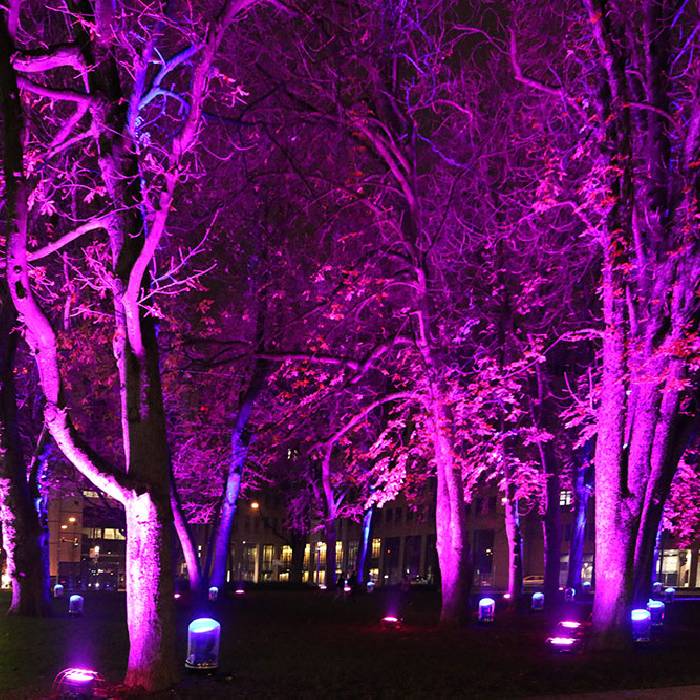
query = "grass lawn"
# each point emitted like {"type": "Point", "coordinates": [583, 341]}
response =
{"type": "Point", "coordinates": [278, 643]}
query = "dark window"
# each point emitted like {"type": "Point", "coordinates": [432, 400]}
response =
{"type": "Point", "coordinates": [397, 515]}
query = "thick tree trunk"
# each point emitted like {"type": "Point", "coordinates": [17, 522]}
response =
{"type": "Point", "coordinates": [363, 547]}
{"type": "Point", "coordinates": [150, 610]}
{"type": "Point", "coordinates": [515, 544]}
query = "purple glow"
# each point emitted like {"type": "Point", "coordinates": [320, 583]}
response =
{"type": "Point", "coordinates": [641, 625]}
{"type": "Point", "coordinates": [569, 593]}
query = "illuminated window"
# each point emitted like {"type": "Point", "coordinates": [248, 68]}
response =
{"type": "Point", "coordinates": [565, 498]}
{"type": "Point", "coordinates": [321, 552]}
{"type": "Point", "coordinates": [307, 555]}
{"type": "Point", "coordinates": [286, 555]}
{"type": "Point", "coordinates": [376, 547]}
{"type": "Point", "coordinates": [90, 494]}
{"type": "Point", "coordinates": [339, 553]}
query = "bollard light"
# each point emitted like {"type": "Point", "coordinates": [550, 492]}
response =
{"type": "Point", "coordinates": [641, 625]}
{"type": "Point", "coordinates": [586, 585]}
{"type": "Point", "coordinates": [537, 602]}
{"type": "Point", "coordinates": [657, 587]}
{"type": "Point", "coordinates": [669, 594]}
{"type": "Point", "coordinates": [213, 593]}
{"type": "Point", "coordinates": [77, 684]}
{"type": "Point", "coordinates": [656, 610]}
{"type": "Point", "coordinates": [76, 604]}
{"type": "Point", "coordinates": [58, 591]}
{"type": "Point", "coordinates": [203, 637]}
{"type": "Point", "coordinates": [487, 610]}
{"type": "Point", "coordinates": [569, 593]}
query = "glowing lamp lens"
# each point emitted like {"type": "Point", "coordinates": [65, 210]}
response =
{"type": "Point", "coordinates": [570, 624]}
{"type": "Point", "coordinates": [390, 619]}
{"type": "Point", "coordinates": [506, 596]}
{"type": "Point", "coordinates": [561, 641]}
{"type": "Point", "coordinates": [655, 604]}
{"type": "Point", "coordinates": [203, 624]}
{"type": "Point", "coordinates": [80, 675]}
{"type": "Point", "coordinates": [239, 591]}
{"type": "Point", "coordinates": [640, 615]}
{"type": "Point", "coordinates": [486, 602]}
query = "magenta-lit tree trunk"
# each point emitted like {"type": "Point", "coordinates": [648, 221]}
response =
{"type": "Point", "coordinates": [514, 537]}
{"type": "Point", "coordinates": [363, 546]}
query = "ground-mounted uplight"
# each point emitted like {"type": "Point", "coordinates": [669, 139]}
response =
{"type": "Point", "coordinates": [586, 586]}
{"type": "Point", "coordinates": [564, 644]}
{"type": "Point", "coordinates": [571, 625]}
{"type": "Point", "coordinates": [641, 625]}
{"type": "Point", "coordinates": [537, 602]}
{"type": "Point", "coordinates": [487, 610]}
{"type": "Point", "coordinates": [669, 594]}
{"type": "Point", "coordinates": [656, 610]}
{"type": "Point", "coordinates": [213, 593]}
{"type": "Point", "coordinates": [77, 684]}
{"type": "Point", "coordinates": [239, 591]}
{"type": "Point", "coordinates": [58, 591]}
{"type": "Point", "coordinates": [507, 596]}
{"type": "Point", "coordinates": [370, 586]}
{"type": "Point", "coordinates": [569, 593]}
{"type": "Point", "coordinates": [322, 587]}
{"type": "Point", "coordinates": [203, 638]}
{"type": "Point", "coordinates": [76, 604]}
{"type": "Point", "coordinates": [391, 622]}
{"type": "Point", "coordinates": [177, 596]}
{"type": "Point", "coordinates": [347, 587]}
{"type": "Point", "coordinates": [657, 587]}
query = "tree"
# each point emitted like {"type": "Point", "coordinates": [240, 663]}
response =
{"type": "Point", "coordinates": [139, 176]}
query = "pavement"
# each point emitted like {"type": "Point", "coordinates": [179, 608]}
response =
{"type": "Point", "coordinates": [687, 692]}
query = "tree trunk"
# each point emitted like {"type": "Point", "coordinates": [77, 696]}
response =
{"type": "Point", "coordinates": [515, 544]}
{"type": "Point", "coordinates": [582, 494]}
{"type": "Point", "coordinates": [240, 440]}
{"type": "Point", "coordinates": [330, 532]}
{"type": "Point", "coordinates": [450, 525]}
{"type": "Point", "coordinates": [150, 610]}
{"type": "Point", "coordinates": [551, 527]}
{"type": "Point", "coordinates": [187, 545]}
{"type": "Point", "coordinates": [364, 543]}
{"type": "Point", "coordinates": [299, 540]}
